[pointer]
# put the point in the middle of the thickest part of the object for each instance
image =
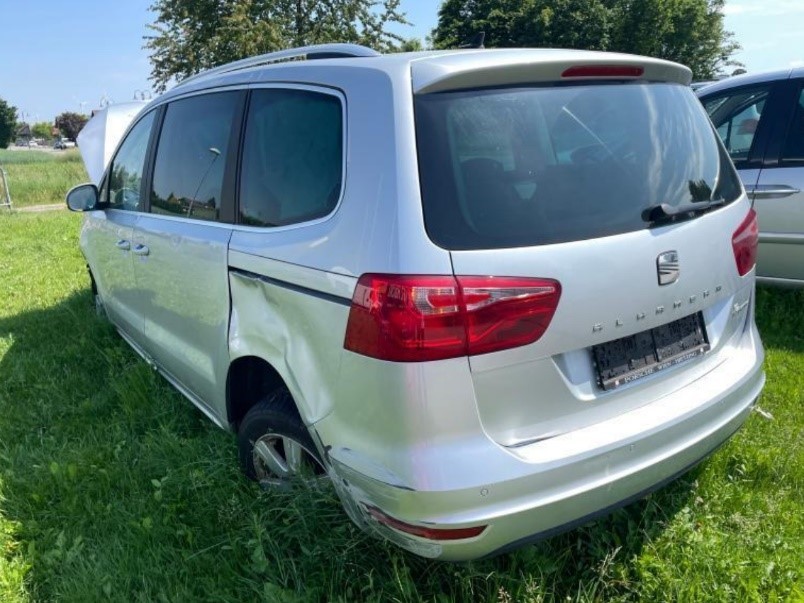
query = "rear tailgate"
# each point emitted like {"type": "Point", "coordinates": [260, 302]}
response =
{"type": "Point", "coordinates": [616, 187]}
{"type": "Point", "coordinates": [610, 290]}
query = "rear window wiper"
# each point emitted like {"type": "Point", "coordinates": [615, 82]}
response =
{"type": "Point", "coordinates": [664, 212]}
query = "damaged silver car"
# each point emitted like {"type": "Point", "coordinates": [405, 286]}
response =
{"type": "Point", "coordinates": [488, 294]}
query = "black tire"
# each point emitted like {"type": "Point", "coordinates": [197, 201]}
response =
{"type": "Point", "coordinates": [275, 423]}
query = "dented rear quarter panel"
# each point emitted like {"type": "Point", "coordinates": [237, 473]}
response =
{"type": "Point", "coordinates": [294, 318]}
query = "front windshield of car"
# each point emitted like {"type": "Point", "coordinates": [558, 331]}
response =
{"type": "Point", "coordinates": [531, 166]}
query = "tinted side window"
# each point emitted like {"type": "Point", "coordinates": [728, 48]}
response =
{"type": "Point", "coordinates": [736, 116]}
{"type": "Point", "coordinates": [292, 167]}
{"type": "Point", "coordinates": [191, 156]}
{"type": "Point", "coordinates": [793, 151]}
{"type": "Point", "coordinates": [125, 173]}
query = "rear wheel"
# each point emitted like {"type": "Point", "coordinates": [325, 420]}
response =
{"type": "Point", "coordinates": [275, 447]}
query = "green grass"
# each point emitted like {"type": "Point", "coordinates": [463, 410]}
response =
{"type": "Point", "coordinates": [39, 177]}
{"type": "Point", "coordinates": [114, 488]}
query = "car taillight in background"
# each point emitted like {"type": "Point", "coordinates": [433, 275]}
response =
{"type": "Point", "coordinates": [407, 318]}
{"type": "Point", "coordinates": [744, 241]}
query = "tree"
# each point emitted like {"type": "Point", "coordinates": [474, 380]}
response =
{"type": "Point", "coordinates": [8, 123]}
{"type": "Point", "coordinates": [502, 20]}
{"type": "Point", "coordinates": [192, 35]}
{"type": "Point", "coordinates": [71, 124]}
{"type": "Point", "coordinates": [410, 45]}
{"type": "Point", "coordinates": [686, 31]}
{"type": "Point", "coordinates": [535, 23]}
{"type": "Point", "coordinates": [690, 32]}
{"type": "Point", "coordinates": [42, 129]}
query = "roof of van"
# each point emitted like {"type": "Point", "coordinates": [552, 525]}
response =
{"type": "Point", "coordinates": [748, 79]}
{"type": "Point", "coordinates": [439, 70]}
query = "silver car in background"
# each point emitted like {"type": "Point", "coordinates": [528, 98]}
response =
{"type": "Point", "coordinates": [489, 294]}
{"type": "Point", "coordinates": [760, 118]}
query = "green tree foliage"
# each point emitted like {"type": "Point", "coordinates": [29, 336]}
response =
{"type": "Point", "coordinates": [8, 123]}
{"type": "Point", "coordinates": [687, 31]}
{"type": "Point", "coordinates": [192, 35]}
{"type": "Point", "coordinates": [512, 23]}
{"type": "Point", "coordinates": [42, 129]}
{"type": "Point", "coordinates": [410, 45]}
{"type": "Point", "coordinates": [71, 124]}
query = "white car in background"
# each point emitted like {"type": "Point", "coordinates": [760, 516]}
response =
{"type": "Point", "coordinates": [63, 143]}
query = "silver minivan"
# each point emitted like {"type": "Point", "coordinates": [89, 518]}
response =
{"type": "Point", "coordinates": [487, 294]}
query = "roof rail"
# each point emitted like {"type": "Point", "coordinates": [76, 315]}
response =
{"type": "Point", "coordinates": [316, 51]}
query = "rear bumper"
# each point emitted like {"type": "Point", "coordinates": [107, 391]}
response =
{"type": "Point", "coordinates": [609, 509]}
{"type": "Point", "coordinates": [564, 481]}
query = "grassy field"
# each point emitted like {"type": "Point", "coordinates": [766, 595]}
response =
{"type": "Point", "coordinates": [114, 488]}
{"type": "Point", "coordinates": [39, 177]}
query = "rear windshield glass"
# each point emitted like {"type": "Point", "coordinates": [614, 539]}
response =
{"type": "Point", "coordinates": [532, 166]}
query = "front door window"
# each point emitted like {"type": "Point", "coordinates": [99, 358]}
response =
{"type": "Point", "coordinates": [125, 174]}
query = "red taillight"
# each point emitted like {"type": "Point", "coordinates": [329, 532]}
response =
{"type": "Point", "coordinates": [744, 241]}
{"type": "Point", "coordinates": [603, 71]}
{"type": "Point", "coordinates": [423, 531]}
{"type": "Point", "coordinates": [420, 318]}
{"type": "Point", "coordinates": [506, 312]}
{"type": "Point", "coordinates": [406, 318]}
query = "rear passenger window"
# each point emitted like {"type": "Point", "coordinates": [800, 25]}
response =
{"type": "Point", "coordinates": [794, 145]}
{"type": "Point", "coordinates": [191, 156]}
{"type": "Point", "coordinates": [292, 168]}
{"type": "Point", "coordinates": [736, 117]}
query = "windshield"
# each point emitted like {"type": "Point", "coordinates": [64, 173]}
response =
{"type": "Point", "coordinates": [532, 166]}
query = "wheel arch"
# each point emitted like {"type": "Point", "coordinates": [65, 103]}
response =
{"type": "Point", "coordinates": [249, 380]}
{"type": "Point", "coordinates": [292, 334]}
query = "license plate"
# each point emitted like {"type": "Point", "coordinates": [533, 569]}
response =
{"type": "Point", "coordinates": [630, 358]}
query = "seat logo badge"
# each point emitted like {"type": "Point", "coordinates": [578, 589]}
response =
{"type": "Point", "coordinates": [667, 267]}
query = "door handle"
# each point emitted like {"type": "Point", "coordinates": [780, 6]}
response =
{"type": "Point", "coordinates": [141, 250]}
{"type": "Point", "coordinates": [123, 245]}
{"type": "Point", "coordinates": [772, 191]}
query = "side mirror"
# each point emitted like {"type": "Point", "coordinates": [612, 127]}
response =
{"type": "Point", "coordinates": [83, 197]}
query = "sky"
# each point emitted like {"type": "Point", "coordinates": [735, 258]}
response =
{"type": "Point", "coordinates": [60, 55]}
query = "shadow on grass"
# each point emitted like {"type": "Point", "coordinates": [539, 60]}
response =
{"type": "Point", "coordinates": [779, 320]}
{"type": "Point", "coordinates": [115, 488]}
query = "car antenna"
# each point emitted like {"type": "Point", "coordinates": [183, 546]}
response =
{"type": "Point", "coordinates": [476, 42]}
